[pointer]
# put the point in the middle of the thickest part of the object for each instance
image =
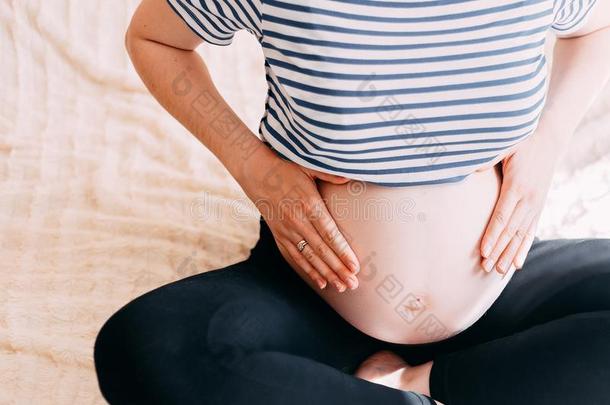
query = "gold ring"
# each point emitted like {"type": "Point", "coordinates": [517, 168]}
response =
{"type": "Point", "coordinates": [301, 245]}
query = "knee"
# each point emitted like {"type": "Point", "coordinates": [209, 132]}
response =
{"type": "Point", "coordinates": [134, 345]}
{"type": "Point", "coordinates": [106, 358]}
{"type": "Point", "coordinates": [112, 354]}
{"type": "Point", "coordinates": [196, 342]}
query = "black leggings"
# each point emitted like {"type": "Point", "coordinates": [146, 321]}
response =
{"type": "Point", "coordinates": [255, 333]}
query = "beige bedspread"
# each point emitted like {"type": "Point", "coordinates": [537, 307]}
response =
{"type": "Point", "coordinates": [103, 196]}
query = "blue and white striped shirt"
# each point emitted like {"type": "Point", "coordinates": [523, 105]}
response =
{"type": "Point", "coordinates": [396, 93]}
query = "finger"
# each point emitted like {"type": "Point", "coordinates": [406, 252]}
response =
{"type": "Point", "coordinates": [514, 222]}
{"type": "Point", "coordinates": [302, 262]}
{"type": "Point", "coordinates": [310, 235]}
{"type": "Point", "coordinates": [511, 268]}
{"type": "Point", "coordinates": [331, 178]}
{"type": "Point", "coordinates": [499, 219]}
{"type": "Point", "coordinates": [508, 255]}
{"type": "Point", "coordinates": [323, 268]}
{"type": "Point", "coordinates": [490, 164]}
{"type": "Point", "coordinates": [323, 251]}
{"type": "Point", "coordinates": [327, 229]}
{"type": "Point", "coordinates": [526, 244]}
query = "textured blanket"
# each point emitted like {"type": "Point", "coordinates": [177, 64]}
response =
{"type": "Point", "coordinates": [104, 196]}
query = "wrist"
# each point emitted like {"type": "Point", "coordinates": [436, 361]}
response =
{"type": "Point", "coordinates": [555, 132]}
{"type": "Point", "coordinates": [258, 168]}
{"type": "Point", "coordinates": [558, 126]}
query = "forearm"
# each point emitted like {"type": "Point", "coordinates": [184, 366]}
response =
{"type": "Point", "coordinates": [581, 69]}
{"type": "Point", "coordinates": [181, 83]}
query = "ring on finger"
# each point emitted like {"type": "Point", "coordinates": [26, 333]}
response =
{"type": "Point", "coordinates": [301, 245]}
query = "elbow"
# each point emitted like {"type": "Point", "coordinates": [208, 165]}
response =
{"type": "Point", "coordinates": [130, 39]}
{"type": "Point", "coordinates": [134, 35]}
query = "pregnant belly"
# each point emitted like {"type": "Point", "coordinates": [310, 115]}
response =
{"type": "Point", "coordinates": [420, 278]}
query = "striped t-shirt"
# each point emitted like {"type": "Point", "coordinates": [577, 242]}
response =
{"type": "Point", "coordinates": [397, 93]}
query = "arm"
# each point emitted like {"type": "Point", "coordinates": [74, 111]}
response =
{"type": "Point", "coordinates": [162, 49]}
{"type": "Point", "coordinates": [581, 69]}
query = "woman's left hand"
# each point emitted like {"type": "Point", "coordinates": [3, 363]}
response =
{"type": "Point", "coordinates": [527, 174]}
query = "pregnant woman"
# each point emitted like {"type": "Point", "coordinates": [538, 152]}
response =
{"type": "Point", "coordinates": [401, 166]}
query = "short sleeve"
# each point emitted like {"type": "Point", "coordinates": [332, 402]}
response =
{"type": "Point", "coordinates": [216, 21]}
{"type": "Point", "coordinates": [571, 15]}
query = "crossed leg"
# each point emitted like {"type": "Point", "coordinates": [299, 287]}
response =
{"type": "Point", "coordinates": [238, 335]}
{"type": "Point", "coordinates": [255, 333]}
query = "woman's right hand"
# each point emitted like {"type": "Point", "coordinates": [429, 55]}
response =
{"type": "Point", "coordinates": [287, 196]}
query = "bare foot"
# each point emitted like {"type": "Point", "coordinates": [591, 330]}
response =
{"type": "Point", "coordinates": [384, 367]}
{"type": "Point", "coordinates": [389, 369]}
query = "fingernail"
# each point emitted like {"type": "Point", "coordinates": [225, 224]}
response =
{"type": "Point", "coordinates": [354, 268]}
{"type": "Point", "coordinates": [353, 283]}
{"type": "Point", "coordinates": [519, 262]}
{"type": "Point", "coordinates": [486, 250]}
{"type": "Point", "coordinates": [322, 285]}
{"type": "Point", "coordinates": [487, 265]}
{"type": "Point", "coordinates": [501, 266]}
{"type": "Point", "coordinates": [339, 285]}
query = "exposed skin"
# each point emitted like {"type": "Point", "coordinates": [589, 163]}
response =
{"type": "Point", "coordinates": [161, 48]}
